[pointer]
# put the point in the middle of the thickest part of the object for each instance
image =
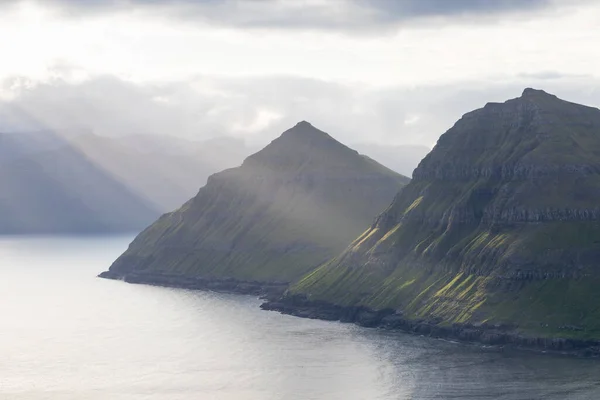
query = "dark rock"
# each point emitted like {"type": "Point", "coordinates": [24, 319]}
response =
{"type": "Point", "coordinates": [495, 335]}
{"type": "Point", "coordinates": [267, 290]}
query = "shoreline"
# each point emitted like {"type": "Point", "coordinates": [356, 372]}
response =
{"type": "Point", "coordinates": [388, 319]}
{"type": "Point", "coordinates": [488, 335]}
{"type": "Point", "coordinates": [229, 285]}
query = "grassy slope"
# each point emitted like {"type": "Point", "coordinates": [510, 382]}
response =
{"type": "Point", "coordinates": [287, 209]}
{"type": "Point", "coordinates": [433, 254]}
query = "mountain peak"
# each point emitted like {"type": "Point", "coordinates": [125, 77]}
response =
{"type": "Point", "coordinates": [312, 151]}
{"type": "Point", "coordinates": [304, 128]}
{"type": "Point", "coordinates": [305, 132]}
{"type": "Point", "coordinates": [538, 130]}
{"type": "Point", "coordinates": [536, 93]}
{"type": "Point", "coordinates": [304, 124]}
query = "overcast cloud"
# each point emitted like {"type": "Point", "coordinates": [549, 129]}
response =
{"type": "Point", "coordinates": [302, 14]}
{"type": "Point", "coordinates": [364, 70]}
{"type": "Point", "coordinates": [259, 109]}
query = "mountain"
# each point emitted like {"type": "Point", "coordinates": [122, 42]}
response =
{"type": "Point", "coordinates": [214, 150]}
{"type": "Point", "coordinates": [95, 184]}
{"type": "Point", "coordinates": [499, 228]}
{"type": "Point", "coordinates": [400, 158]}
{"type": "Point", "coordinates": [16, 145]}
{"type": "Point", "coordinates": [165, 175]}
{"type": "Point", "coordinates": [67, 193]}
{"type": "Point", "coordinates": [285, 210]}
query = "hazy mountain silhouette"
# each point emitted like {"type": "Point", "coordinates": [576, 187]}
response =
{"type": "Point", "coordinates": [164, 171]}
{"type": "Point", "coordinates": [89, 183]}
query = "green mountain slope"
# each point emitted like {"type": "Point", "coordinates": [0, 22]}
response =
{"type": "Point", "coordinates": [288, 208]}
{"type": "Point", "coordinates": [500, 225]}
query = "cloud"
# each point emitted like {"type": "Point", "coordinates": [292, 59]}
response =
{"type": "Point", "coordinates": [552, 75]}
{"type": "Point", "coordinates": [260, 109]}
{"type": "Point", "coordinates": [139, 43]}
{"type": "Point", "coordinates": [345, 15]}
{"type": "Point", "coordinates": [401, 10]}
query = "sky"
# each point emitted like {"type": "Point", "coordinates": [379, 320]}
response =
{"type": "Point", "coordinates": [377, 71]}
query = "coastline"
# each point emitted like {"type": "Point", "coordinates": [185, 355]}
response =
{"type": "Point", "coordinates": [389, 319]}
{"type": "Point", "coordinates": [230, 285]}
{"type": "Point", "coordinates": [492, 335]}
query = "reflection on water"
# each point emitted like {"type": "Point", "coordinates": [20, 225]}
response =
{"type": "Point", "coordinates": [65, 334]}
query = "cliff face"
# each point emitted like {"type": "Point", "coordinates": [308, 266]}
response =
{"type": "Point", "coordinates": [288, 208]}
{"type": "Point", "coordinates": [500, 225]}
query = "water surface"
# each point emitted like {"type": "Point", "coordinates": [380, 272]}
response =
{"type": "Point", "coordinates": [65, 334]}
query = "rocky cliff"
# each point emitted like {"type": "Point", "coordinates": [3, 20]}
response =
{"type": "Point", "coordinates": [499, 227]}
{"type": "Point", "coordinates": [284, 211]}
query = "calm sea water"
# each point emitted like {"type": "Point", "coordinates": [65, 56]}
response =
{"type": "Point", "coordinates": [65, 334]}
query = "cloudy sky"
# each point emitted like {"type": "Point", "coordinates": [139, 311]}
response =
{"type": "Point", "coordinates": [384, 71]}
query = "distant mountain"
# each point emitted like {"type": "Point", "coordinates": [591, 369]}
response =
{"type": "Point", "coordinates": [90, 183]}
{"type": "Point", "coordinates": [285, 210]}
{"type": "Point", "coordinates": [165, 172]}
{"type": "Point", "coordinates": [227, 145]}
{"type": "Point", "coordinates": [497, 237]}
{"type": "Point", "coordinates": [400, 158]}
{"type": "Point", "coordinates": [16, 145]}
{"type": "Point", "coordinates": [63, 191]}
